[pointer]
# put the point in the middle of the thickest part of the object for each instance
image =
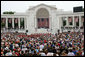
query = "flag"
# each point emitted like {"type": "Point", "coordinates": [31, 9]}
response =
{"type": "Point", "coordinates": [82, 19]}
{"type": "Point", "coordinates": [10, 20]}
{"type": "Point", "coordinates": [38, 22]}
{"type": "Point", "coordinates": [46, 22]}
{"type": "Point", "coordinates": [42, 22]}
{"type": "Point", "coordinates": [16, 20]}
{"type": "Point", "coordinates": [76, 19]}
{"type": "Point", "coordinates": [70, 19]}
{"type": "Point", "coordinates": [3, 20]}
{"type": "Point", "coordinates": [22, 19]}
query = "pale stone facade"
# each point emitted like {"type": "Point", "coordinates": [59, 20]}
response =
{"type": "Point", "coordinates": [46, 11]}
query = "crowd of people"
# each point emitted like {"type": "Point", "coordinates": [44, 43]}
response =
{"type": "Point", "coordinates": [61, 44]}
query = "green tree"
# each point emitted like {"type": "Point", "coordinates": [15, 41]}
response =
{"type": "Point", "coordinates": [8, 12]}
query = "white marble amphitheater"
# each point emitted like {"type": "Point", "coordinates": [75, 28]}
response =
{"type": "Point", "coordinates": [43, 18]}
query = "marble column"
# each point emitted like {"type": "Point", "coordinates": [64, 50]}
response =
{"type": "Point", "coordinates": [79, 21]}
{"type": "Point", "coordinates": [50, 22]}
{"type": "Point", "coordinates": [66, 18]}
{"type": "Point", "coordinates": [19, 22]}
{"type": "Point", "coordinates": [12, 22]}
{"type": "Point", "coordinates": [61, 20]}
{"type": "Point", "coordinates": [24, 23]}
{"type": "Point", "coordinates": [6, 22]}
{"type": "Point", "coordinates": [73, 22]}
{"type": "Point", "coordinates": [34, 22]}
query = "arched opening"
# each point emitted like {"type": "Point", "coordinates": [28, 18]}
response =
{"type": "Point", "coordinates": [42, 17]}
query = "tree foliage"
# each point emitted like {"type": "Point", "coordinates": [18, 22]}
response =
{"type": "Point", "coordinates": [8, 12]}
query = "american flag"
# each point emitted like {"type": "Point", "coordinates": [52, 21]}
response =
{"type": "Point", "coordinates": [82, 19]}
{"type": "Point", "coordinates": [43, 22]}
{"type": "Point", "coordinates": [40, 23]}
{"type": "Point", "coordinates": [16, 20]}
{"type": "Point", "coordinates": [3, 20]}
{"type": "Point", "coordinates": [76, 19]}
{"type": "Point", "coordinates": [22, 19]}
{"type": "Point", "coordinates": [10, 20]}
{"type": "Point", "coordinates": [70, 19]}
{"type": "Point", "coordinates": [46, 22]}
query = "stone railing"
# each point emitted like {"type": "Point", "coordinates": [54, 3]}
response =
{"type": "Point", "coordinates": [11, 30]}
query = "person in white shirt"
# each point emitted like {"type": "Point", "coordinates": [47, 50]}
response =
{"type": "Point", "coordinates": [71, 53]}
{"type": "Point", "coordinates": [42, 54]}
{"type": "Point", "coordinates": [50, 54]}
{"type": "Point", "coordinates": [41, 46]}
{"type": "Point", "coordinates": [9, 53]}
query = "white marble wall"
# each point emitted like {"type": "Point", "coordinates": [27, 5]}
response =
{"type": "Point", "coordinates": [55, 21]}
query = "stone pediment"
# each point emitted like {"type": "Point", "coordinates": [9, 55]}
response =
{"type": "Point", "coordinates": [42, 5]}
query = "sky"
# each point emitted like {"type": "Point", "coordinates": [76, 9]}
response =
{"type": "Point", "coordinates": [22, 6]}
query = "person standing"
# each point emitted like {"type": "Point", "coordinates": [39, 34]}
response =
{"type": "Point", "coordinates": [70, 53]}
